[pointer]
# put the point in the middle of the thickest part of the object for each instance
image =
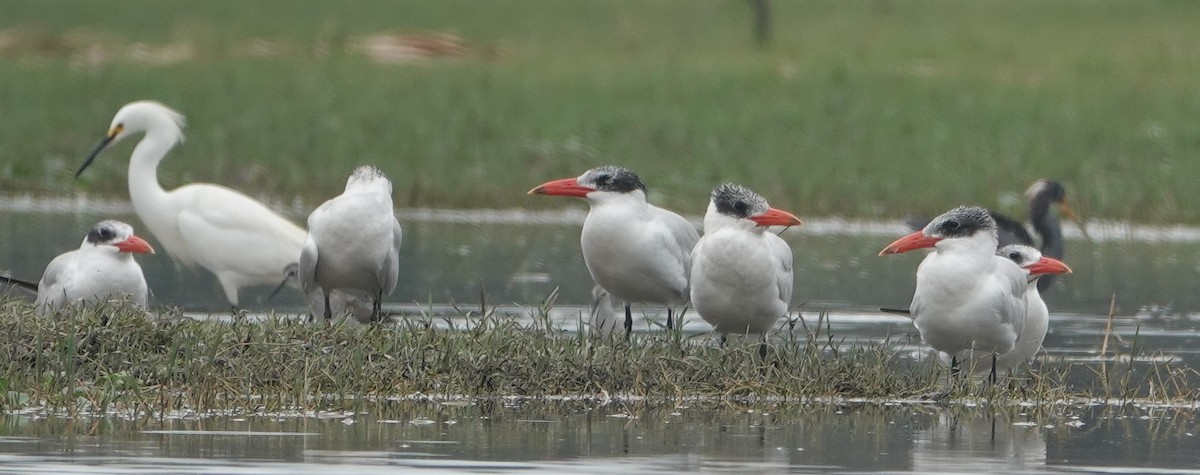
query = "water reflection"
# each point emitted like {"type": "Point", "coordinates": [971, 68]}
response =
{"type": "Point", "coordinates": [587, 437]}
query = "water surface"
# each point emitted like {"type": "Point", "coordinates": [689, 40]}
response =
{"type": "Point", "coordinates": [502, 436]}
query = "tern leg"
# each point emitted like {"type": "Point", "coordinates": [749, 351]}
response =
{"type": "Point", "coordinates": [762, 349]}
{"type": "Point", "coordinates": [992, 377]}
{"type": "Point", "coordinates": [377, 309]}
{"type": "Point", "coordinates": [328, 311]}
{"type": "Point", "coordinates": [628, 321]}
{"type": "Point", "coordinates": [670, 321]}
{"type": "Point", "coordinates": [953, 372]}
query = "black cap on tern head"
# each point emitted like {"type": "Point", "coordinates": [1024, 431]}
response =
{"type": "Point", "coordinates": [108, 232]}
{"type": "Point", "coordinates": [962, 221]}
{"type": "Point", "coordinates": [738, 201]}
{"type": "Point", "coordinates": [1020, 254]}
{"type": "Point", "coordinates": [612, 179]}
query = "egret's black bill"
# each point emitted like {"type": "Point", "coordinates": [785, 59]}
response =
{"type": "Point", "coordinates": [94, 154]}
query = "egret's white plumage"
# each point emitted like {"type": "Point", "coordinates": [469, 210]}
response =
{"type": "Point", "coordinates": [967, 297]}
{"type": "Point", "coordinates": [354, 240]}
{"type": "Point", "coordinates": [1037, 315]}
{"type": "Point", "coordinates": [235, 237]}
{"type": "Point", "coordinates": [636, 251]}
{"type": "Point", "coordinates": [102, 268]}
{"type": "Point", "coordinates": [741, 274]}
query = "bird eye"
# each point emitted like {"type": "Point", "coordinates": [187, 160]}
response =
{"type": "Point", "coordinates": [1014, 255]}
{"type": "Point", "coordinates": [952, 224]}
{"type": "Point", "coordinates": [740, 206]}
{"type": "Point", "coordinates": [603, 179]}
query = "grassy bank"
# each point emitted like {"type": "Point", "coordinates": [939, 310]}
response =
{"type": "Point", "coordinates": [855, 108]}
{"type": "Point", "coordinates": [106, 359]}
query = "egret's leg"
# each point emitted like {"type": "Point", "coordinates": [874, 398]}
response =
{"type": "Point", "coordinates": [670, 321]}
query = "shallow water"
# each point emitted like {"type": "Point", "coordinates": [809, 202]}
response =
{"type": "Point", "coordinates": [516, 260]}
{"type": "Point", "coordinates": [507, 436]}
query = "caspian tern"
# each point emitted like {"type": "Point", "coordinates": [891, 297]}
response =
{"type": "Point", "coordinates": [741, 274]}
{"type": "Point", "coordinates": [102, 268]}
{"type": "Point", "coordinates": [238, 239]}
{"type": "Point", "coordinates": [1037, 316]}
{"type": "Point", "coordinates": [967, 297]}
{"type": "Point", "coordinates": [638, 252]}
{"type": "Point", "coordinates": [354, 241]}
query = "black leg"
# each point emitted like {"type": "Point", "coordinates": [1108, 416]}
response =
{"type": "Point", "coordinates": [377, 309]}
{"type": "Point", "coordinates": [993, 375]}
{"type": "Point", "coordinates": [722, 340]}
{"type": "Point", "coordinates": [670, 321]}
{"type": "Point", "coordinates": [628, 321]}
{"type": "Point", "coordinates": [328, 311]}
{"type": "Point", "coordinates": [762, 350]}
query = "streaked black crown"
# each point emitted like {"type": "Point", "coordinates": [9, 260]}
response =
{"type": "Point", "coordinates": [105, 232]}
{"type": "Point", "coordinates": [962, 221]}
{"type": "Point", "coordinates": [614, 179]}
{"type": "Point", "coordinates": [738, 201]}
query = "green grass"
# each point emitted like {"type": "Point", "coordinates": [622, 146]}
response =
{"type": "Point", "coordinates": [107, 358]}
{"type": "Point", "coordinates": [860, 108]}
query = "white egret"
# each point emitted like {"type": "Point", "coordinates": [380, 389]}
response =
{"type": "Point", "coordinates": [241, 241]}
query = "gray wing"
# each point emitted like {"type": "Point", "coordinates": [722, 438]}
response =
{"type": "Point", "coordinates": [783, 274]}
{"type": "Point", "coordinates": [389, 273]}
{"type": "Point", "coordinates": [308, 264]}
{"type": "Point", "coordinates": [1013, 303]}
{"type": "Point", "coordinates": [684, 235]}
{"type": "Point", "coordinates": [50, 289]}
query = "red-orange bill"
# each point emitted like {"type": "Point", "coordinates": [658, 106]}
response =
{"type": "Point", "coordinates": [135, 245]}
{"type": "Point", "coordinates": [776, 217]}
{"type": "Point", "coordinates": [563, 187]}
{"type": "Point", "coordinates": [917, 240]}
{"type": "Point", "coordinates": [1048, 265]}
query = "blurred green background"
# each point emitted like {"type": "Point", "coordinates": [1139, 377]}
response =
{"type": "Point", "coordinates": [873, 108]}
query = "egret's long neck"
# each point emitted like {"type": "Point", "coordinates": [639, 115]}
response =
{"type": "Point", "coordinates": [143, 168]}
